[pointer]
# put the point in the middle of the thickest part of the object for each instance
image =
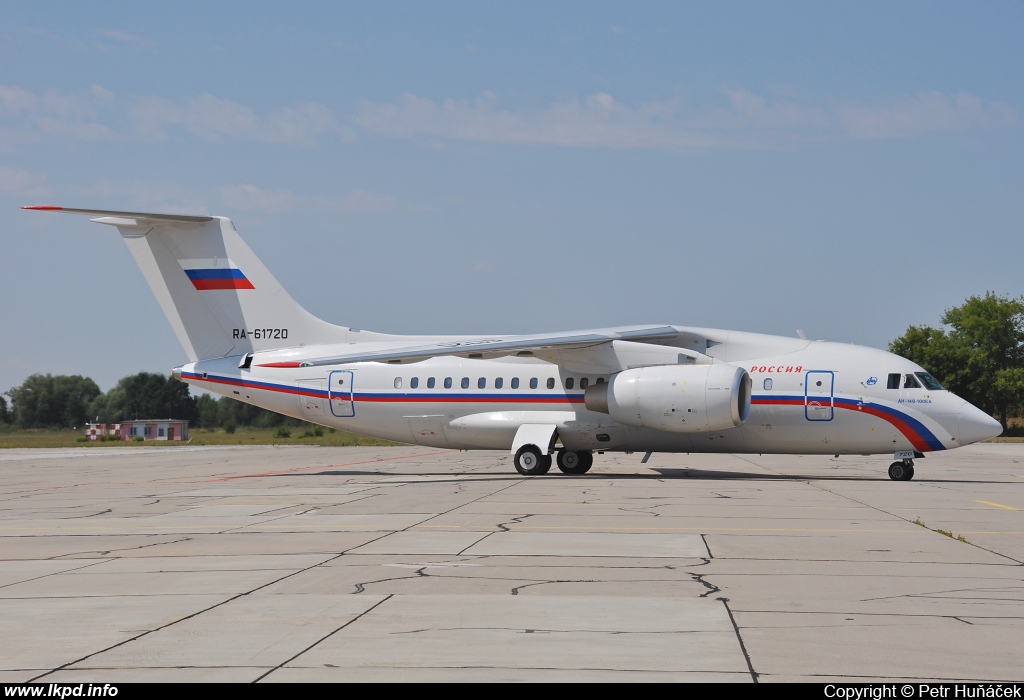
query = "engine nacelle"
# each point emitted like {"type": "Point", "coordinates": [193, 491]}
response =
{"type": "Point", "coordinates": [680, 398]}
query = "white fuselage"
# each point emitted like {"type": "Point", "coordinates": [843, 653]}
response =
{"type": "Point", "coordinates": [808, 398]}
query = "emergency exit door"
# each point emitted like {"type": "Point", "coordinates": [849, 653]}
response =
{"type": "Point", "coordinates": [819, 402]}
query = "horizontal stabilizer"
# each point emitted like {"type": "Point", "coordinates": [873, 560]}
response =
{"type": "Point", "coordinates": [137, 215]}
{"type": "Point", "coordinates": [220, 298]}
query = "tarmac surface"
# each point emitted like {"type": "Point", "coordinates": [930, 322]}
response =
{"type": "Point", "coordinates": [417, 564]}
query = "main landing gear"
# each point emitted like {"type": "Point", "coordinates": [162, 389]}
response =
{"type": "Point", "coordinates": [530, 462]}
{"type": "Point", "coordinates": [902, 470]}
{"type": "Point", "coordinates": [570, 462]}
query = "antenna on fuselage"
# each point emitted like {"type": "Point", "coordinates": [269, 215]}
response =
{"type": "Point", "coordinates": [800, 334]}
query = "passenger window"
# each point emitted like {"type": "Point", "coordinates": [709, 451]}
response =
{"type": "Point", "coordinates": [515, 382]}
{"type": "Point", "coordinates": [768, 383]}
{"type": "Point", "coordinates": [414, 383]}
{"type": "Point", "coordinates": [447, 382]}
{"type": "Point", "coordinates": [398, 382]}
{"type": "Point", "coordinates": [584, 383]}
{"type": "Point", "coordinates": [465, 382]}
{"type": "Point", "coordinates": [430, 383]}
{"type": "Point", "coordinates": [533, 383]}
{"type": "Point", "coordinates": [551, 382]}
{"type": "Point", "coordinates": [498, 383]}
{"type": "Point", "coordinates": [600, 380]}
{"type": "Point", "coordinates": [481, 383]}
{"type": "Point", "coordinates": [569, 383]}
{"type": "Point", "coordinates": [911, 382]}
{"type": "Point", "coordinates": [894, 381]}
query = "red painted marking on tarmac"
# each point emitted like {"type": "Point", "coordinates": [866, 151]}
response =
{"type": "Point", "coordinates": [329, 466]}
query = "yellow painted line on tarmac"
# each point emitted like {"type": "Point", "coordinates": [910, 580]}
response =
{"type": "Point", "coordinates": [577, 528]}
{"type": "Point", "coordinates": [997, 505]}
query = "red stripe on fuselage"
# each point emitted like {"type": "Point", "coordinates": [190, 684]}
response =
{"type": "Point", "coordinates": [908, 432]}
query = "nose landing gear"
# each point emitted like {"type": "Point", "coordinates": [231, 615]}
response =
{"type": "Point", "coordinates": [902, 470]}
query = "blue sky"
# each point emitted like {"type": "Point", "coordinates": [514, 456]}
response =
{"type": "Point", "coordinates": [476, 167]}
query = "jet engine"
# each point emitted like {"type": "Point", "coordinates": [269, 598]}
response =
{"type": "Point", "coordinates": [679, 398]}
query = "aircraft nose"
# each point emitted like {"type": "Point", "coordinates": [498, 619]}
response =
{"type": "Point", "coordinates": [974, 425]}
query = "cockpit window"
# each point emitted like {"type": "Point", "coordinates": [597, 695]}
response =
{"type": "Point", "coordinates": [910, 382]}
{"type": "Point", "coordinates": [894, 380]}
{"type": "Point", "coordinates": [929, 381]}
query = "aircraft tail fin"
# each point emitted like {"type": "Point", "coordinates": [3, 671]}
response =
{"type": "Point", "coordinates": [219, 297]}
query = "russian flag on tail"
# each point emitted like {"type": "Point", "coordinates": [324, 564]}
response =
{"type": "Point", "coordinates": [215, 273]}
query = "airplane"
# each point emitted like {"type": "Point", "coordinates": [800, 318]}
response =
{"type": "Point", "coordinates": [650, 389]}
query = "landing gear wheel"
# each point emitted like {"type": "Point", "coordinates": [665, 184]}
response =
{"type": "Point", "coordinates": [530, 462]}
{"type": "Point", "coordinates": [901, 471]}
{"type": "Point", "coordinates": [574, 462]}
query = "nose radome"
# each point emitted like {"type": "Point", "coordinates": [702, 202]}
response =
{"type": "Point", "coordinates": [975, 425]}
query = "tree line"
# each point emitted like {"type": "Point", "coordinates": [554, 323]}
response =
{"type": "Point", "coordinates": [61, 401]}
{"type": "Point", "coordinates": [979, 355]}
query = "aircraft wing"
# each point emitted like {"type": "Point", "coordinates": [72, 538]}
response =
{"type": "Point", "coordinates": [490, 347]}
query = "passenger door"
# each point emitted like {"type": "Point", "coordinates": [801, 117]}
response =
{"type": "Point", "coordinates": [340, 392]}
{"type": "Point", "coordinates": [818, 397]}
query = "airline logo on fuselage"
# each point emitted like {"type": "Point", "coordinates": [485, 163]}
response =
{"type": "Point", "coordinates": [215, 273]}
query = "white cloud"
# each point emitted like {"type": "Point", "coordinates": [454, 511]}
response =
{"type": "Point", "coordinates": [15, 182]}
{"type": "Point", "coordinates": [74, 129]}
{"type": "Point", "coordinates": [248, 197]}
{"type": "Point", "coordinates": [597, 121]}
{"type": "Point", "coordinates": [741, 119]}
{"type": "Point", "coordinates": [918, 114]}
{"type": "Point", "coordinates": [118, 35]}
{"type": "Point", "coordinates": [746, 120]}
{"type": "Point", "coordinates": [14, 100]}
{"type": "Point", "coordinates": [27, 117]}
{"type": "Point", "coordinates": [251, 198]}
{"type": "Point", "coordinates": [98, 113]}
{"type": "Point", "coordinates": [214, 119]}
{"type": "Point", "coordinates": [362, 200]}
{"type": "Point", "coordinates": [143, 196]}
